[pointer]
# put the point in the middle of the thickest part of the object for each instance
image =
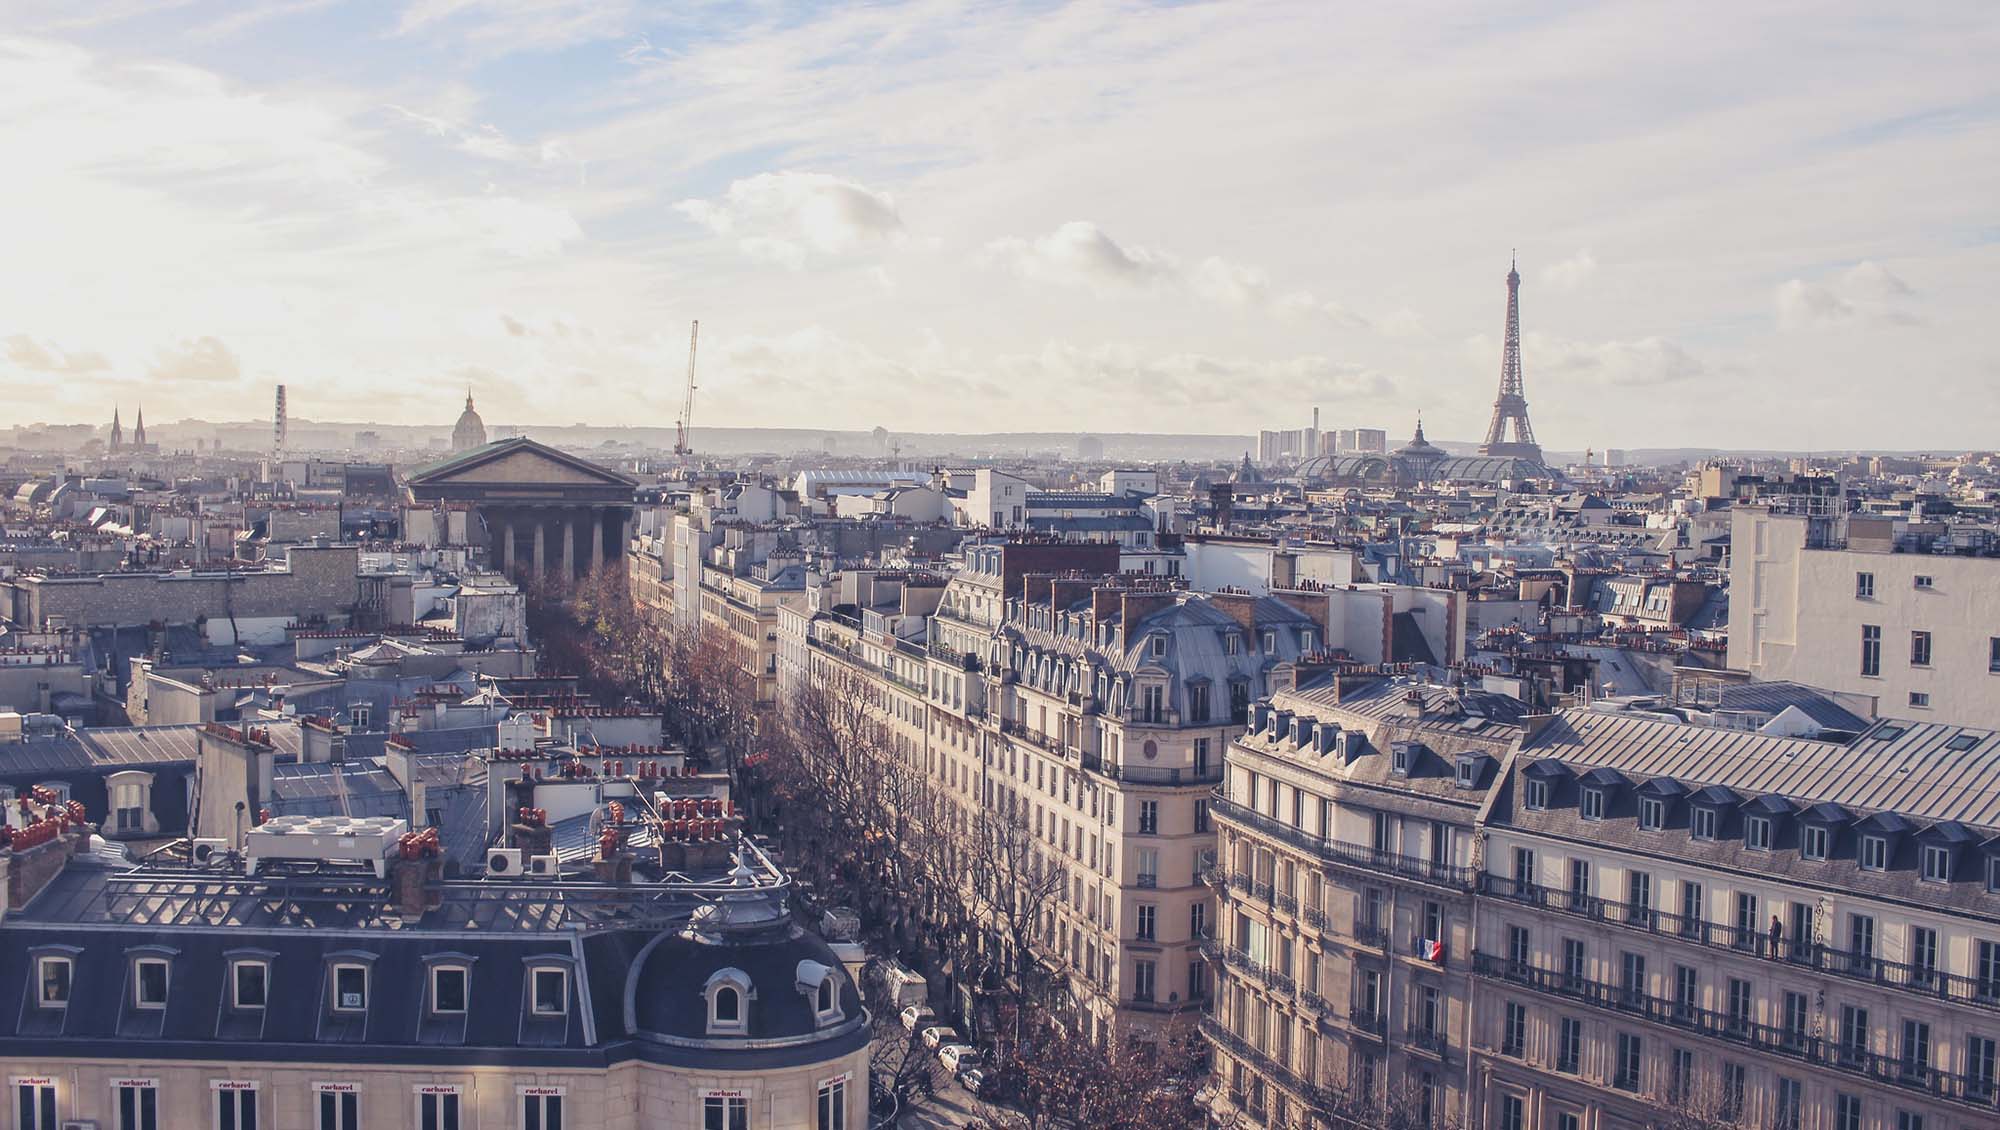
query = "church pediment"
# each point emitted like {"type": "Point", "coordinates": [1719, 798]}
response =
{"type": "Point", "coordinates": [521, 462]}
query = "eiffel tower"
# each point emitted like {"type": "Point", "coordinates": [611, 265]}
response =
{"type": "Point", "coordinates": [1511, 404]}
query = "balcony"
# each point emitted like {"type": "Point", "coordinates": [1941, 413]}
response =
{"type": "Point", "coordinates": [1924, 980]}
{"type": "Point", "coordinates": [1371, 935]}
{"type": "Point", "coordinates": [1213, 876]}
{"type": "Point", "coordinates": [1315, 918]}
{"type": "Point", "coordinates": [1149, 774]}
{"type": "Point", "coordinates": [1795, 1043]}
{"type": "Point", "coordinates": [1289, 904]}
{"type": "Point", "coordinates": [1428, 1040]}
{"type": "Point", "coordinates": [1356, 857]}
{"type": "Point", "coordinates": [1308, 1092]}
{"type": "Point", "coordinates": [1368, 1020]}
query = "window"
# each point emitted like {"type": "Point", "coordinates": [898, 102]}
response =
{"type": "Point", "coordinates": [1864, 586]}
{"type": "Point", "coordinates": [1861, 944]}
{"type": "Point", "coordinates": [1593, 804]}
{"type": "Point", "coordinates": [1853, 1033]}
{"type": "Point", "coordinates": [1652, 814]}
{"type": "Point", "coordinates": [1524, 870]}
{"type": "Point", "coordinates": [1270, 643]}
{"type": "Point", "coordinates": [1739, 1005]}
{"type": "Point", "coordinates": [1909, 1120]}
{"type": "Point", "coordinates": [1687, 991]}
{"type": "Point", "coordinates": [350, 988]}
{"type": "Point", "coordinates": [1149, 867]}
{"type": "Point", "coordinates": [1680, 1077]}
{"type": "Point", "coordinates": [339, 1107]}
{"type": "Point", "coordinates": [1993, 875]}
{"type": "Point", "coordinates": [1517, 948]}
{"type": "Point", "coordinates": [1757, 833]}
{"type": "Point", "coordinates": [1923, 955]}
{"type": "Point", "coordinates": [1916, 1062]}
{"type": "Point", "coordinates": [551, 991]}
{"type": "Point", "coordinates": [437, 1108]}
{"type": "Point", "coordinates": [832, 1105]}
{"type": "Point", "coordinates": [1702, 823]}
{"type": "Point", "coordinates": [1232, 644]}
{"type": "Point", "coordinates": [725, 1112]}
{"type": "Point", "coordinates": [1980, 1067]}
{"type": "Point", "coordinates": [139, 1105]}
{"type": "Point", "coordinates": [149, 982]}
{"type": "Point", "coordinates": [249, 983]}
{"type": "Point", "coordinates": [235, 1105]}
{"type": "Point", "coordinates": [1632, 978]}
{"type": "Point", "coordinates": [1847, 1112]}
{"type": "Point", "coordinates": [35, 1104]}
{"type": "Point", "coordinates": [1142, 980]}
{"type": "Point", "coordinates": [1993, 654]}
{"type": "Point", "coordinates": [1569, 1045]}
{"type": "Point", "coordinates": [1399, 758]}
{"type": "Point", "coordinates": [1874, 854]}
{"type": "Point", "coordinates": [1986, 971]}
{"type": "Point", "coordinates": [53, 975]}
{"type": "Point", "coordinates": [1148, 913]}
{"type": "Point", "coordinates": [1514, 1034]}
{"type": "Point", "coordinates": [1573, 964]}
{"type": "Point", "coordinates": [1157, 645]}
{"type": "Point", "coordinates": [1149, 817]}
{"type": "Point", "coordinates": [448, 988]}
{"type": "Point", "coordinates": [541, 1108]}
{"type": "Point", "coordinates": [728, 1005]}
{"type": "Point", "coordinates": [1198, 920]}
{"type": "Point", "coordinates": [1538, 793]}
{"type": "Point", "coordinates": [1925, 582]}
{"type": "Point", "coordinates": [1468, 772]}
{"type": "Point", "coordinates": [1920, 699]}
{"type": "Point", "coordinates": [1812, 842]}
{"type": "Point", "coordinates": [1920, 649]}
{"type": "Point", "coordinates": [1630, 1050]}
{"type": "Point", "coordinates": [1513, 1113]}
{"type": "Point", "coordinates": [1733, 1086]}
{"type": "Point", "coordinates": [1746, 920]}
{"type": "Point", "coordinates": [1871, 650]}
{"type": "Point", "coordinates": [1937, 863]}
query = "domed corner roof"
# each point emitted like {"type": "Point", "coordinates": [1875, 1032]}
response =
{"type": "Point", "coordinates": [664, 994]}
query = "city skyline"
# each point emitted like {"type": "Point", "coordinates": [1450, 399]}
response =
{"type": "Point", "coordinates": [1087, 218]}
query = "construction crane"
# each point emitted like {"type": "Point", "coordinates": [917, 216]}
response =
{"type": "Point", "coordinates": [681, 447]}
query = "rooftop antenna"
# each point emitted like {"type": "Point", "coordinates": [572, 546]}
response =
{"type": "Point", "coordinates": [278, 428]}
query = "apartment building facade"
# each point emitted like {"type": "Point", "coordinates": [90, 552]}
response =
{"type": "Point", "coordinates": [1093, 709]}
{"type": "Point", "coordinates": [1860, 606]}
{"type": "Point", "coordinates": [1642, 923]}
{"type": "Point", "coordinates": [1346, 879]}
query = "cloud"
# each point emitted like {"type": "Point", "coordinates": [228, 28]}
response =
{"type": "Point", "coordinates": [1872, 279]}
{"type": "Point", "coordinates": [792, 217]}
{"type": "Point", "coordinates": [1570, 273]}
{"type": "Point", "coordinates": [1643, 363]}
{"type": "Point", "coordinates": [1120, 373]}
{"type": "Point", "coordinates": [40, 357]}
{"type": "Point", "coordinates": [196, 359]}
{"type": "Point", "coordinates": [1802, 305]}
{"type": "Point", "coordinates": [1079, 253]}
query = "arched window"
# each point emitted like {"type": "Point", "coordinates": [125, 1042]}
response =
{"type": "Point", "coordinates": [728, 1005]}
{"type": "Point", "coordinates": [729, 993]}
{"type": "Point", "coordinates": [826, 995]}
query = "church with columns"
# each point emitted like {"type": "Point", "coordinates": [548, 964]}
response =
{"type": "Point", "coordinates": [540, 510]}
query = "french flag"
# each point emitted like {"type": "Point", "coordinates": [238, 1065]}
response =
{"type": "Point", "coordinates": [1433, 951]}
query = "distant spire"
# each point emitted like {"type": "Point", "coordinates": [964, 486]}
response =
{"type": "Point", "coordinates": [139, 428]}
{"type": "Point", "coordinates": [468, 398]}
{"type": "Point", "coordinates": [117, 430]}
{"type": "Point", "coordinates": [1420, 428]}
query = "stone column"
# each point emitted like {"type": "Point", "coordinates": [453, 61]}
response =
{"type": "Point", "coordinates": [541, 530]}
{"type": "Point", "coordinates": [596, 539]}
{"type": "Point", "coordinates": [507, 547]}
{"type": "Point", "coordinates": [569, 545]}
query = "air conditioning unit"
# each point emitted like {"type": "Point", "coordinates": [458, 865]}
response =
{"type": "Point", "coordinates": [504, 861]}
{"type": "Point", "coordinates": [208, 851]}
{"type": "Point", "coordinates": [546, 866]}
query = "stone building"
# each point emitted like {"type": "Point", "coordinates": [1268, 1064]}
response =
{"type": "Point", "coordinates": [540, 509]}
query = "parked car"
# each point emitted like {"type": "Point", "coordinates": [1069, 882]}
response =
{"type": "Point", "coordinates": [974, 1080]}
{"type": "Point", "coordinates": [954, 1056]}
{"type": "Point", "coordinates": [937, 1035]}
{"type": "Point", "coordinates": [916, 1016]}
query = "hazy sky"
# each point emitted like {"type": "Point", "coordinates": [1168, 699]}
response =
{"type": "Point", "coordinates": [1747, 224]}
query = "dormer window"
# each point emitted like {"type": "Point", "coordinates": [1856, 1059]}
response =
{"type": "Point", "coordinates": [1308, 642]}
{"type": "Point", "coordinates": [1537, 794]}
{"type": "Point", "coordinates": [1232, 644]}
{"type": "Point", "coordinates": [548, 987]}
{"type": "Point", "coordinates": [249, 983]}
{"type": "Point", "coordinates": [1703, 822]}
{"type": "Point", "coordinates": [53, 976]}
{"type": "Point", "coordinates": [1399, 759]}
{"type": "Point", "coordinates": [1470, 768]}
{"type": "Point", "coordinates": [1757, 833]}
{"type": "Point", "coordinates": [1873, 853]}
{"type": "Point", "coordinates": [729, 993]}
{"type": "Point", "coordinates": [1937, 863]}
{"type": "Point", "coordinates": [1156, 646]}
{"type": "Point", "coordinates": [350, 988]}
{"type": "Point", "coordinates": [1652, 814]}
{"type": "Point", "coordinates": [1812, 842]}
{"type": "Point", "coordinates": [1593, 804]}
{"type": "Point", "coordinates": [448, 989]}
{"type": "Point", "coordinates": [820, 986]}
{"type": "Point", "coordinates": [1270, 643]}
{"type": "Point", "coordinates": [149, 982]}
